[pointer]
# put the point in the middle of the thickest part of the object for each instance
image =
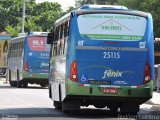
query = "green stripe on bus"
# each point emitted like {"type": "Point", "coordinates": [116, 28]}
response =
{"type": "Point", "coordinates": [115, 37]}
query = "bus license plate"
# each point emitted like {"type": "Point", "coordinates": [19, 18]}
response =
{"type": "Point", "coordinates": [110, 90]}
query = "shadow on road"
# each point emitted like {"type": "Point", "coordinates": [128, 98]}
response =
{"type": "Point", "coordinates": [7, 86]}
{"type": "Point", "coordinates": [51, 112]}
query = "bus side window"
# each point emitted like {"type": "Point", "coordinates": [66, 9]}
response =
{"type": "Point", "coordinates": [51, 51]}
{"type": "Point", "coordinates": [13, 50]}
{"type": "Point", "coordinates": [58, 41]}
{"type": "Point", "coordinates": [9, 52]}
{"type": "Point", "coordinates": [19, 49]}
{"type": "Point", "coordinates": [55, 49]}
{"type": "Point", "coordinates": [62, 39]}
{"type": "Point", "coordinates": [65, 35]}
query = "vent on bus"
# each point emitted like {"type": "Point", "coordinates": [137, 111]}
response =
{"type": "Point", "coordinates": [147, 74]}
{"type": "Point", "coordinates": [73, 71]}
{"type": "Point", "coordinates": [26, 66]}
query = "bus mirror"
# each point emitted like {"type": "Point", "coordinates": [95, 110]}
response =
{"type": "Point", "coordinates": [49, 38]}
{"type": "Point", "coordinates": [72, 14]}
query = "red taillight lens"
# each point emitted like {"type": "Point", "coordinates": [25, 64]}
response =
{"type": "Point", "coordinates": [147, 74]}
{"type": "Point", "coordinates": [73, 71]}
{"type": "Point", "coordinates": [26, 66]}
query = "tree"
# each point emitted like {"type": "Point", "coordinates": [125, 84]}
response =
{"type": "Point", "coordinates": [8, 14]}
{"type": "Point", "coordinates": [151, 6]}
{"type": "Point", "coordinates": [45, 14]}
{"type": "Point", "coordinates": [80, 3]}
{"type": "Point", "coordinates": [39, 17]}
{"type": "Point", "coordinates": [131, 4]}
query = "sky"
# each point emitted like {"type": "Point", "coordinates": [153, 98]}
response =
{"type": "Point", "coordinates": [64, 3]}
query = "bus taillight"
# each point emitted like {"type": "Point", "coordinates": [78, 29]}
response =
{"type": "Point", "coordinates": [147, 74]}
{"type": "Point", "coordinates": [73, 71]}
{"type": "Point", "coordinates": [26, 66]}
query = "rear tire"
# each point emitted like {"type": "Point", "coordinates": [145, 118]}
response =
{"type": "Point", "coordinates": [129, 109]}
{"type": "Point", "coordinates": [8, 76]}
{"type": "Point", "coordinates": [43, 85]}
{"type": "Point", "coordinates": [25, 84]}
{"type": "Point", "coordinates": [71, 106]}
{"type": "Point", "coordinates": [57, 105]}
{"type": "Point", "coordinates": [19, 83]}
{"type": "Point", "coordinates": [113, 109]}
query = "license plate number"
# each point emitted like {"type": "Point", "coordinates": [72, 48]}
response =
{"type": "Point", "coordinates": [110, 90]}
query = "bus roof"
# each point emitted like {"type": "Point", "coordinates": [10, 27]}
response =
{"type": "Point", "coordinates": [103, 7]}
{"type": "Point", "coordinates": [5, 36]}
{"type": "Point", "coordinates": [63, 19]}
{"type": "Point", "coordinates": [34, 33]}
{"type": "Point", "coordinates": [89, 8]}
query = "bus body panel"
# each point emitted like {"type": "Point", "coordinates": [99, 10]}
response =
{"type": "Point", "coordinates": [128, 70]}
{"type": "Point", "coordinates": [124, 68]}
{"type": "Point", "coordinates": [57, 75]}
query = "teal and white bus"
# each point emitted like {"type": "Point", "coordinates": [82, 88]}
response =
{"type": "Point", "coordinates": [28, 60]}
{"type": "Point", "coordinates": [102, 56]}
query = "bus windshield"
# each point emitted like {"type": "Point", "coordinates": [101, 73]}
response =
{"type": "Point", "coordinates": [112, 27]}
{"type": "Point", "coordinates": [38, 43]}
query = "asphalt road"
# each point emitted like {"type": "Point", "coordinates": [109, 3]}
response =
{"type": "Point", "coordinates": [33, 103]}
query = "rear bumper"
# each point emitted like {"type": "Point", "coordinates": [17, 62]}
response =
{"type": "Point", "coordinates": [29, 75]}
{"type": "Point", "coordinates": [124, 94]}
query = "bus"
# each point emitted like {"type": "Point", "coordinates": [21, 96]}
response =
{"type": "Point", "coordinates": [103, 56]}
{"type": "Point", "coordinates": [4, 45]}
{"type": "Point", "coordinates": [28, 60]}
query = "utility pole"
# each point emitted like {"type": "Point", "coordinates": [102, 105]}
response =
{"type": "Point", "coordinates": [23, 15]}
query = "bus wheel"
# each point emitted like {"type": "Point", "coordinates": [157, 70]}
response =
{"type": "Point", "coordinates": [19, 83]}
{"type": "Point", "coordinates": [43, 85]}
{"type": "Point", "coordinates": [25, 84]}
{"type": "Point", "coordinates": [8, 76]}
{"type": "Point", "coordinates": [129, 109]}
{"type": "Point", "coordinates": [57, 105]}
{"type": "Point", "coordinates": [113, 109]}
{"type": "Point", "coordinates": [71, 106]}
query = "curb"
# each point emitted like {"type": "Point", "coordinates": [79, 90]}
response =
{"type": "Point", "coordinates": [2, 82]}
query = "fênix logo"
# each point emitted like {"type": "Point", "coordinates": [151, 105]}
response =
{"type": "Point", "coordinates": [110, 73]}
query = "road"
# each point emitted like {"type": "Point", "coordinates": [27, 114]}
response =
{"type": "Point", "coordinates": [33, 103]}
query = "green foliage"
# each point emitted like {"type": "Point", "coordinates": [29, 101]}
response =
{"type": "Point", "coordinates": [151, 6]}
{"type": "Point", "coordinates": [45, 14]}
{"type": "Point", "coordinates": [80, 3]}
{"type": "Point", "coordinates": [13, 32]}
{"type": "Point", "coordinates": [131, 4]}
{"type": "Point", "coordinates": [38, 17]}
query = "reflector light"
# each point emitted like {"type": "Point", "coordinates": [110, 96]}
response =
{"type": "Point", "coordinates": [73, 71]}
{"type": "Point", "coordinates": [147, 75]}
{"type": "Point", "coordinates": [26, 66]}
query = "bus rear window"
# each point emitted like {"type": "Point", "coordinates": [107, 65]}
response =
{"type": "Point", "coordinates": [38, 43]}
{"type": "Point", "coordinates": [112, 27]}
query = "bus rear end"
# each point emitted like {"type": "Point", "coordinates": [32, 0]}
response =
{"type": "Point", "coordinates": [36, 60]}
{"type": "Point", "coordinates": [112, 61]}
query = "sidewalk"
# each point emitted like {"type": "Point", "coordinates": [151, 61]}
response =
{"type": "Point", "coordinates": [2, 81]}
{"type": "Point", "coordinates": [155, 101]}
